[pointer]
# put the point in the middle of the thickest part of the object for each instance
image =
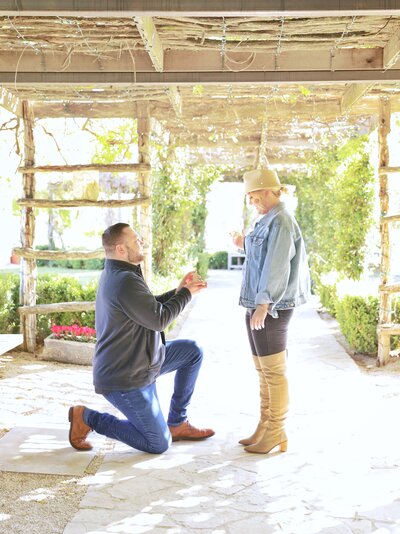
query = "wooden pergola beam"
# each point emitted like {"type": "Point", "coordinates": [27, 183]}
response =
{"type": "Point", "coordinates": [98, 167]}
{"type": "Point", "coordinates": [121, 109]}
{"type": "Point", "coordinates": [352, 94]}
{"type": "Point", "coordinates": [77, 203]}
{"type": "Point", "coordinates": [390, 218]}
{"type": "Point", "coordinates": [10, 102]}
{"type": "Point", "coordinates": [175, 98]}
{"type": "Point", "coordinates": [156, 59]}
{"type": "Point", "coordinates": [391, 51]}
{"type": "Point", "coordinates": [58, 307]}
{"type": "Point", "coordinates": [151, 41]}
{"type": "Point", "coordinates": [32, 253]}
{"type": "Point", "coordinates": [121, 79]}
{"type": "Point", "coordinates": [154, 47]}
{"type": "Point", "coordinates": [185, 8]}
{"type": "Point", "coordinates": [389, 170]}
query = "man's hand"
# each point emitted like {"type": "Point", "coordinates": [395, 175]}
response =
{"type": "Point", "coordinates": [257, 320]}
{"type": "Point", "coordinates": [195, 287]}
{"type": "Point", "coordinates": [193, 282]}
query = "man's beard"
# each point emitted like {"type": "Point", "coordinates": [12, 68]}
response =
{"type": "Point", "coordinates": [135, 257]}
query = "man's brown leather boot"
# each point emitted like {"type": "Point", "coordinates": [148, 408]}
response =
{"type": "Point", "coordinates": [185, 431]}
{"type": "Point", "coordinates": [78, 429]}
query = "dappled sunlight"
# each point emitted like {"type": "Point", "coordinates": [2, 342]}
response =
{"type": "Point", "coordinates": [103, 478]}
{"type": "Point", "coordinates": [99, 479]}
{"type": "Point", "coordinates": [187, 502]}
{"type": "Point", "coordinates": [136, 524]}
{"type": "Point", "coordinates": [42, 443]}
{"type": "Point", "coordinates": [39, 495]}
{"type": "Point", "coordinates": [34, 367]}
{"type": "Point", "coordinates": [165, 462]}
{"type": "Point", "coordinates": [214, 467]}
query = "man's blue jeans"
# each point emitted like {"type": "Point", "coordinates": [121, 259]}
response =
{"type": "Point", "coordinates": [145, 427]}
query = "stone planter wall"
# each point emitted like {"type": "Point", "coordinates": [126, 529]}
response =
{"type": "Point", "coordinates": [65, 351]}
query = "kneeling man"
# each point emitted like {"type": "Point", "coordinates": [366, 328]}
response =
{"type": "Point", "coordinates": [131, 352]}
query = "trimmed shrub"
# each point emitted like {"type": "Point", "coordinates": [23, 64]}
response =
{"type": "Point", "coordinates": [9, 298]}
{"type": "Point", "coordinates": [202, 264]}
{"type": "Point", "coordinates": [328, 297]}
{"type": "Point", "coordinates": [218, 260]}
{"type": "Point", "coordinates": [358, 319]}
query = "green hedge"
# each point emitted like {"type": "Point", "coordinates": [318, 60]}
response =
{"type": "Point", "coordinates": [219, 260]}
{"type": "Point", "coordinates": [9, 298]}
{"type": "Point", "coordinates": [49, 289]}
{"type": "Point", "coordinates": [357, 317]}
{"type": "Point", "coordinates": [95, 264]}
{"type": "Point", "coordinates": [328, 296]}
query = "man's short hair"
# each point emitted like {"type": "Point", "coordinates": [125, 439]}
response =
{"type": "Point", "coordinates": [112, 236]}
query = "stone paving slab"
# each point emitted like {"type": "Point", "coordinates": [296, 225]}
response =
{"type": "Point", "coordinates": [43, 450]}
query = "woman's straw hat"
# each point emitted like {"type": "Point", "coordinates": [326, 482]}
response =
{"type": "Point", "coordinates": [261, 179]}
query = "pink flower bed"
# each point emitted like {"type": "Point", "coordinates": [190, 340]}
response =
{"type": "Point", "coordinates": [74, 333]}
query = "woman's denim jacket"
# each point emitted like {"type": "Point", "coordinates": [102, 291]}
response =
{"type": "Point", "coordinates": [275, 270]}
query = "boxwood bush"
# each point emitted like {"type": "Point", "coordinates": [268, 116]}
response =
{"type": "Point", "coordinates": [358, 317]}
{"type": "Point", "coordinates": [9, 297]}
{"type": "Point", "coordinates": [328, 296]}
{"type": "Point", "coordinates": [219, 260]}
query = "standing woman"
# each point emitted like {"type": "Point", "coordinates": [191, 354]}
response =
{"type": "Point", "coordinates": [275, 281]}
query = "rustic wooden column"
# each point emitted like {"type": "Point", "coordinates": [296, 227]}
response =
{"type": "Point", "coordinates": [28, 265]}
{"type": "Point", "coordinates": [144, 211]}
{"type": "Point", "coordinates": [384, 296]}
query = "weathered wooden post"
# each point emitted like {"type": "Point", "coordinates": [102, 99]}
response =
{"type": "Point", "coordinates": [384, 296]}
{"type": "Point", "coordinates": [144, 212]}
{"type": "Point", "coordinates": [28, 265]}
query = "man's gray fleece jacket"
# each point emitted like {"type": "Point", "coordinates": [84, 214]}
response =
{"type": "Point", "coordinates": [130, 320]}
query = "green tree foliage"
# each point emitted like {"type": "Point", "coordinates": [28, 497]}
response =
{"type": "Point", "coordinates": [335, 207]}
{"type": "Point", "coordinates": [179, 209]}
{"type": "Point", "coordinates": [114, 145]}
{"type": "Point", "coordinates": [178, 194]}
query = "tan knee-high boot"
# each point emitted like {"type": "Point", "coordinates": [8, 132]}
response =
{"type": "Point", "coordinates": [264, 406]}
{"type": "Point", "coordinates": [274, 369]}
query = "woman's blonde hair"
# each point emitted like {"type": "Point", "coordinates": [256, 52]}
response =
{"type": "Point", "coordinates": [279, 192]}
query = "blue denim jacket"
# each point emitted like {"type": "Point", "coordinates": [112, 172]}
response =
{"type": "Point", "coordinates": [275, 270]}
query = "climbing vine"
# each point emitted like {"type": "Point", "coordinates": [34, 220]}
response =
{"type": "Point", "coordinates": [335, 207]}
{"type": "Point", "coordinates": [179, 207]}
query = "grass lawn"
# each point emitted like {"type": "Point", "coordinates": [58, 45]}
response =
{"type": "Point", "coordinates": [80, 274]}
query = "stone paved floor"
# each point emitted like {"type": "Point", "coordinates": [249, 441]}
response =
{"type": "Point", "coordinates": [341, 473]}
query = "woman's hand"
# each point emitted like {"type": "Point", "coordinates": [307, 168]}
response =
{"type": "Point", "coordinates": [257, 320]}
{"type": "Point", "coordinates": [238, 239]}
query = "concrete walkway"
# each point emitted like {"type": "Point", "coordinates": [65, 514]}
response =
{"type": "Point", "coordinates": [341, 473]}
